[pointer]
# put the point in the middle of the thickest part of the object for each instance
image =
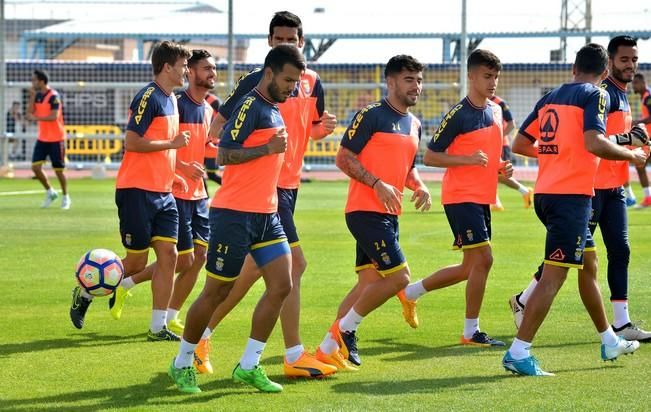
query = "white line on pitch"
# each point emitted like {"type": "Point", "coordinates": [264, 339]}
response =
{"type": "Point", "coordinates": [22, 192]}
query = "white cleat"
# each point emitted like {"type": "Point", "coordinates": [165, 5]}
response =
{"type": "Point", "coordinates": [622, 347]}
{"type": "Point", "coordinates": [517, 309]}
{"type": "Point", "coordinates": [66, 202]}
{"type": "Point", "coordinates": [49, 198]}
{"type": "Point", "coordinates": [631, 331]}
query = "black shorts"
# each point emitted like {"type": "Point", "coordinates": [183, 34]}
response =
{"type": "Point", "coordinates": [470, 224]}
{"type": "Point", "coordinates": [56, 151]}
{"type": "Point", "coordinates": [193, 224]}
{"type": "Point", "coordinates": [286, 206]}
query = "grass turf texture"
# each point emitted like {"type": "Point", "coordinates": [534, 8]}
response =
{"type": "Point", "coordinates": [48, 365]}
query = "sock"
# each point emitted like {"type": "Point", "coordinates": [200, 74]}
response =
{"type": "Point", "coordinates": [328, 345]}
{"type": "Point", "coordinates": [86, 295]}
{"type": "Point", "coordinates": [186, 354]}
{"type": "Point", "coordinates": [629, 192]}
{"type": "Point", "coordinates": [51, 191]}
{"type": "Point", "coordinates": [620, 309]}
{"type": "Point", "coordinates": [206, 334]}
{"type": "Point", "coordinates": [127, 283]}
{"type": "Point", "coordinates": [647, 191]}
{"type": "Point", "coordinates": [470, 326]}
{"type": "Point", "coordinates": [519, 349]}
{"type": "Point", "coordinates": [523, 189]}
{"type": "Point", "coordinates": [172, 314]}
{"type": "Point", "coordinates": [608, 337]}
{"type": "Point", "coordinates": [292, 354]}
{"type": "Point", "coordinates": [158, 320]}
{"type": "Point", "coordinates": [350, 322]}
{"type": "Point", "coordinates": [252, 353]}
{"type": "Point", "coordinates": [415, 290]}
{"type": "Point", "coordinates": [497, 201]}
{"type": "Point", "coordinates": [524, 296]}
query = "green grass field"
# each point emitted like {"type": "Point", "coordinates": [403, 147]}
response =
{"type": "Point", "coordinates": [48, 365]}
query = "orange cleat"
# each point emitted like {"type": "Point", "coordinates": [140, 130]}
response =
{"type": "Point", "coordinates": [335, 359]}
{"type": "Point", "coordinates": [408, 309]}
{"type": "Point", "coordinates": [201, 357]}
{"type": "Point", "coordinates": [307, 366]}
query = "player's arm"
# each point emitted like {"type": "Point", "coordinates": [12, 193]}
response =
{"type": "Point", "coordinates": [194, 170]}
{"type": "Point", "coordinates": [52, 116]}
{"type": "Point", "coordinates": [244, 84]}
{"type": "Point", "coordinates": [597, 144]}
{"type": "Point", "coordinates": [217, 127]}
{"type": "Point", "coordinates": [421, 194]}
{"type": "Point", "coordinates": [524, 145]}
{"type": "Point", "coordinates": [324, 123]}
{"type": "Point", "coordinates": [646, 120]}
{"type": "Point", "coordinates": [133, 142]}
{"type": "Point", "coordinates": [229, 156]}
{"type": "Point", "coordinates": [510, 126]}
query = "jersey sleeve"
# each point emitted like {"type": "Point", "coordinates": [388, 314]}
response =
{"type": "Point", "coordinates": [447, 131]}
{"type": "Point", "coordinates": [359, 133]}
{"type": "Point", "coordinates": [506, 111]}
{"type": "Point", "coordinates": [142, 112]}
{"type": "Point", "coordinates": [239, 127]}
{"type": "Point", "coordinates": [595, 110]}
{"type": "Point", "coordinates": [320, 100]}
{"type": "Point", "coordinates": [55, 102]}
{"type": "Point", "coordinates": [245, 84]}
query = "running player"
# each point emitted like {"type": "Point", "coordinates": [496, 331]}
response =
{"type": "Point", "coordinates": [508, 125]}
{"type": "Point", "coordinates": [146, 208]}
{"type": "Point", "coordinates": [468, 143]}
{"type": "Point", "coordinates": [244, 220]}
{"type": "Point", "coordinates": [569, 125]}
{"type": "Point", "coordinates": [640, 87]}
{"type": "Point", "coordinates": [305, 117]}
{"type": "Point", "coordinates": [194, 118]}
{"type": "Point", "coordinates": [608, 203]}
{"type": "Point", "coordinates": [46, 109]}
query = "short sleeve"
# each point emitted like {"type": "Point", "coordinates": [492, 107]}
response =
{"type": "Point", "coordinates": [239, 127]}
{"type": "Point", "coordinates": [359, 132]}
{"type": "Point", "coordinates": [320, 100]}
{"type": "Point", "coordinates": [55, 102]}
{"type": "Point", "coordinates": [447, 131]}
{"type": "Point", "coordinates": [506, 111]}
{"type": "Point", "coordinates": [594, 112]}
{"type": "Point", "coordinates": [245, 84]}
{"type": "Point", "coordinates": [143, 110]}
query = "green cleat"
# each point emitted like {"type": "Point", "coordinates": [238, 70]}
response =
{"type": "Point", "coordinates": [176, 326]}
{"type": "Point", "coordinates": [256, 378]}
{"type": "Point", "coordinates": [116, 303]}
{"type": "Point", "coordinates": [184, 378]}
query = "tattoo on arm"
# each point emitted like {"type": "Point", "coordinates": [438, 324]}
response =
{"type": "Point", "coordinates": [236, 156]}
{"type": "Point", "coordinates": [349, 164]}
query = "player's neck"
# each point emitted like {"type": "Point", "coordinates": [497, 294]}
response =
{"type": "Point", "coordinates": [396, 104]}
{"type": "Point", "coordinates": [166, 86]}
{"type": "Point", "coordinates": [587, 78]}
{"type": "Point", "coordinates": [477, 99]}
{"type": "Point", "coordinates": [198, 94]}
{"type": "Point", "coordinates": [263, 91]}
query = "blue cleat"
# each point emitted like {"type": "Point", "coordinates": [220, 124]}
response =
{"type": "Point", "coordinates": [630, 201]}
{"type": "Point", "coordinates": [525, 367]}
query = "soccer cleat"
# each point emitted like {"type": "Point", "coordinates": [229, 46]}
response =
{"type": "Point", "coordinates": [526, 367]}
{"type": "Point", "coordinates": [184, 378]}
{"type": "Point", "coordinates": [347, 342]}
{"type": "Point", "coordinates": [50, 196]}
{"type": "Point", "coordinates": [335, 359]}
{"type": "Point", "coordinates": [78, 308]}
{"type": "Point", "coordinates": [176, 326]}
{"type": "Point", "coordinates": [646, 202]}
{"type": "Point", "coordinates": [308, 366]}
{"type": "Point", "coordinates": [631, 331]}
{"type": "Point", "coordinates": [481, 339]}
{"type": "Point", "coordinates": [66, 202]}
{"type": "Point", "coordinates": [201, 357]}
{"type": "Point", "coordinates": [517, 309]}
{"type": "Point", "coordinates": [408, 309]}
{"type": "Point", "coordinates": [622, 347]}
{"type": "Point", "coordinates": [162, 335]}
{"type": "Point", "coordinates": [528, 198]}
{"type": "Point", "coordinates": [257, 378]}
{"type": "Point", "coordinates": [630, 201]}
{"type": "Point", "coordinates": [116, 302]}
{"type": "Point", "coordinates": [497, 207]}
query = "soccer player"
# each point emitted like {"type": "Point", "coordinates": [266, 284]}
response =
{"type": "Point", "coordinates": [194, 118]}
{"type": "Point", "coordinates": [378, 153]}
{"type": "Point", "coordinates": [146, 208]}
{"type": "Point", "coordinates": [608, 203]}
{"type": "Point", "coordinates": [304, 116]}
{"type": "Point", "coordinates": [45, 108]}
{"type": "Point", "coordinates": [468, 144]}
{"type": "Point", "coordinates": [244, 220]}
{"type": "Point", "coordinates": [508, 125]}
{"type": "Point", "coordinates": [640, 87]}
{"type": "Point", "coordinates": [210, 161]}
{"type": "Point", "coordinates": [568, 124]}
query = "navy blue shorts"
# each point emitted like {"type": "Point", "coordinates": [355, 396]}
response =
{"type": "Point", "coordinates": [286, 206]}
{"type": "Point", "coordinates": [566, 219]}
{"type": "Point", "coordinates": [377, 236]}
{"type": "Point", "coordinates": [470, 224]}
{"type": "Point", "coordinates": [146, 217]}
{"type": "Point", "coordinates": [234, 234]}
{"type": "Point", "coordinates": [193, 224]}
{"type": "Point", "coordinates": [56, 151]}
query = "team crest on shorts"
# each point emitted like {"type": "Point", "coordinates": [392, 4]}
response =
{"type": "Point", "coordinates": [577, 254]}
{"type": "Point", "coordinates": [219, 264]}
{"type": "Point", "coordinates": [385, 258]}
{"type": "Point", "coordinates": [128, 239]}
{"type": "Point", "coordinates": [470, 235]}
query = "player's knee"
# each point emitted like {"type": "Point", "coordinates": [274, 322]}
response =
{"type": "Point", "coordinates": [216, 291]}
{"type": "Point", "coordinates": [184, 262]}
{"type": "Point", "coordinates": [36, 168]}
{"type": "Point", "coordinates": [299, 265]}
{"type": "Point", "coordinates": [483, 259]}
{"type": "Point", "coordinates": [280, 290]}
{"type": "Point", "coordinates": [400, 280]}
{"type": "Point", "coordinates": [167, 255]}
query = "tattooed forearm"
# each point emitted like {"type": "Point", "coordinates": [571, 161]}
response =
{"type": "Point", "coordinates": [348, 163]}
{"type": "Point", "coordinates": [236, 156]}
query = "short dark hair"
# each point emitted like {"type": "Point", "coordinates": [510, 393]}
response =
{"type": "Point", "coordinates": [591, 59]}
{"type": "Point", "coordinates": [284, 54]}
{"type": "Point", "coordinates": [285, 19]}
{"type": "Point", "coordinates": [42, 75]}
{"type": "Point", "coordinates": [618, 41]}
{"type": "Point", "coordinates": [482, 57]}
{"type": "Point", "coordinates": [638, 76]}
{"type": "Point", "coordinates": [198, 55]}
{"type": "Point", "coordinates": [167, 52]}
{"type": "Point", "coordinates": [401, 62]}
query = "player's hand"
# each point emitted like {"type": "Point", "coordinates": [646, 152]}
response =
{"type": "Point", "coordinates": [179, 184]}
{"type": "Point", "coordinates": [30, 117]}
{"type": "Point", "coordinates": [479, 158]}
{"type": "Point", "coordinates": [639, 136]}
{"type": "Point", "coordinates": [640, 157]}
{"type": "Point", "coordinates": [193, 169]}
{"type": "Point", "coordinates": [388, 196]}
{"type": "Point", "coordinates": [423, 199]}
{"type": "Point", "coordinates": [506, 169]}
{"type": "Point", "coordinates": [278, 142]}
{"type": "Point", "coordinates": [181, 140]}
{"type": "Point", "coordinates": [328, 122]}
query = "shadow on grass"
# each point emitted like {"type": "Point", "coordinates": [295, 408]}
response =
{"type": "Point", "coordinates": [77, 340]}
{"type": "Point", "coordinates": [415, 385]}
{"type": "Point", "coordinates": [159, 393]}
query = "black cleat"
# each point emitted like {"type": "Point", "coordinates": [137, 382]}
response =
{"type": "Point", "coordinates": [350, 340]}
{"type": "Point", "coordinates": [78, 308]}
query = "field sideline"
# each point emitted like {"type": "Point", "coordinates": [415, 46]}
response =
{"type": "Point", "coordinates": [48, 365]}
